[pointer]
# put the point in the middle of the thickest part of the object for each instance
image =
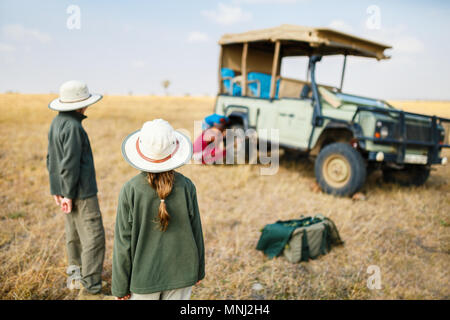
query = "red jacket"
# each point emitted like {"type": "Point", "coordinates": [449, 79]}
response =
{"type": "Point", "coordinates": [208, 145]}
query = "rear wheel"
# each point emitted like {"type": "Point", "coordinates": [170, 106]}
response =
{"type": "Point", "coordinates": [411, 175]}
{"type": "Point", "coordinates": [340, 169]}
{"type": "Point", "coordinates": [239, 145]}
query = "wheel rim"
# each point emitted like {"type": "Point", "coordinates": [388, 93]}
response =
{"type": "Point", "coordinates": [336, 171]}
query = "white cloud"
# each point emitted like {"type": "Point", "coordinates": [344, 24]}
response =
{"type": "Point", "coordinates": [128, 27]}
{"type": "Point", "coordinates": [18, 32]}
{"type": "Point", "coordinates": [197, 37]}
{"type": "Point", "coordinates": [408, 44]}
{"type": "Point", "coordinates": [340, 25]}
{"type": "Point", "coordinates": [4, 47]}
{"type": "Point", "coordinates": [399, 38]}
{"type": "Point", "coordinates": [227, 14]}
{"type": "Point", "coordinates": [138, 64]}
{"type": "Point", "coordinates": [268, 1]}
{"type": "Point", "coordinates": [7, 53]}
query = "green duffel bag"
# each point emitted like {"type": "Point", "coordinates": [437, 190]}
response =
{"type": "Point", "coordinates": [310, 241]}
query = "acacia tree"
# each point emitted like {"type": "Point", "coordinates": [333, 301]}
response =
{"type": "Point", "coordinates": [166, 84]}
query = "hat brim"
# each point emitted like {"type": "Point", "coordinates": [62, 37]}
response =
{"type": "Point", "coordinates": [181, 157]}
{"type": "Point", "coordinates": [57, 105]}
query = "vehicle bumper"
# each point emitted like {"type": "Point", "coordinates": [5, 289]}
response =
{"type": "Point", "coordinates": [403, 142]}
{"type": "Point", "coordinates": [379, 156]}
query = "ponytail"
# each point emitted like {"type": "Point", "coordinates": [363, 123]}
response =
{"type": "Point", "coordinates": [163, 183]}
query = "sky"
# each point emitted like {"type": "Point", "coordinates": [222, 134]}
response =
{"type": "Point", "coordinates": [130, 47]}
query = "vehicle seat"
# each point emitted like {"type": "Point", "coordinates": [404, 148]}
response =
{"type": "Point", "coordinates": [259, 85]}
{"type": "Point", "coordinates": [230, 86]}
{"type": "Point", "coordinates": [305, 91]}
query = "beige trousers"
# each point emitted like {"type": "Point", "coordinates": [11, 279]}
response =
{"type": "Point", "coordinates": [176, 294]}
{"type": "Point", "coordinates": [85, 241]}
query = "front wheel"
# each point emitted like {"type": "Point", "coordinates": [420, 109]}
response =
{"type": "Point", "coordinates": [340, 169]}
{"type": "Point", "coordinates": [411, 175]}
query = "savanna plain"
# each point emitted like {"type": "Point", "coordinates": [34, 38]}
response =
{"type": "Point", "coordinates": [402, 230]}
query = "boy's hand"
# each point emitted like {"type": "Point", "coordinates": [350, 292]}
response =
{"type": "Point", "coordinates": [58, 199]}
{"type": "Point", "coordinates": [66, 205]}
{"type": "Point", "coordinates": [128, 296]}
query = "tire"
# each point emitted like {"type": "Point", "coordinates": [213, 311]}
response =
{"type": "Point", "coordinates": [340, 169]}
{"type": "Point", "coordinates": [411, 175]}
{"type": "Point", "coordinates": [240, 144]}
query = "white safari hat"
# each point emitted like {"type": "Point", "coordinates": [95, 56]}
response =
{"type": "Point", "coordinates": [157, 147]}
{"type": "Point", "coordinates": [74, 95]}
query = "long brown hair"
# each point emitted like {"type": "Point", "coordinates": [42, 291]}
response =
{"type": "Point", "coordinates": [162, 182]}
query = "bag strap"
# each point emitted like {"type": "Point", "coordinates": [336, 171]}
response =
{"type": "Point", "coordinates": [337, 240]}
{"type": "Point", "coordinates": [332, 230]}
{"type": "Point", "coordinates": [305, 247]}
{"type": "Point", "coordinates": [325, 244]}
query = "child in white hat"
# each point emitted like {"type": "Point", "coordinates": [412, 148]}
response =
{"type": "Point", "coordinates": [158, 242]}
{"type": "Point", "coordinates": [70, 164]}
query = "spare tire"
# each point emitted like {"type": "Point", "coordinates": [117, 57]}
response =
{"type": "Point", "coordinates": [240, 146]}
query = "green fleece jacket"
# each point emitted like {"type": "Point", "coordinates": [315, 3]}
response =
{"type": "Point", "coordinates": [70, 163]}
{"type": "Point", "coordinates": [147, 260]}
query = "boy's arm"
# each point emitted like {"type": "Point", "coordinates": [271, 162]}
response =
{"type": "Point", "coordinates": [72, 144]}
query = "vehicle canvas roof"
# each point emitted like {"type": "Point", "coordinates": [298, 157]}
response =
{"type": "Point", "coordinates": [300, 40]}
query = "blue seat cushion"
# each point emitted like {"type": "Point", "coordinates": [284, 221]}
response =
{"type": "Point", "coordinates": [226, 72]}
{"type": "Point", "coordinates": [264, 80]}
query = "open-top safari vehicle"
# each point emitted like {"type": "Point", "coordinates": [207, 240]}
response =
{"type": "Point", "coordinates": [347, 135]}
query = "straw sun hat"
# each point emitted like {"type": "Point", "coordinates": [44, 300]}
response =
{"type": "Point", "coordinates": [74, 95]}
{"type": "Point", "coordinates": [156, 147]}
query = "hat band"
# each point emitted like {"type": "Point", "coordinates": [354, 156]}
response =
{"type": "Point", "coordinates": [155, 160]}
{"type": "Point", "coordinates": [73, 101]}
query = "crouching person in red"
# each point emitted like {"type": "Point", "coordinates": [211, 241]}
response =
{"type": "Point", "coordinates": [209, 146]}
{"type": "Point", "coordinates": [158, 242]}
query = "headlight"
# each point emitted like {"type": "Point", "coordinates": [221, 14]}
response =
{"type": "Point", "coordinates": [383, 129]}
{"type": "Point", "coordinates": [384, 132]}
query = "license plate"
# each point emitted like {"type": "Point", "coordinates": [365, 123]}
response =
{"type": "Point", "coordinates": [416, 159]}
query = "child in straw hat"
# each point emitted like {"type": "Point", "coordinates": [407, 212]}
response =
{"type": "Point", "coordinates": [73, 185]}
{"type": "Point", "coordinates": [158, 242]}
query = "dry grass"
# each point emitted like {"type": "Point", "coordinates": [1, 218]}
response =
{"type": "Point", "coordinates": [405, 231]}
{"type": "Point", "coordinates": [440, 108]}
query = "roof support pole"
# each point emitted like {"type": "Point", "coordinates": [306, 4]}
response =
{"type": "Point", "coordinates": [308, 70]}
{"type": "Point", "coordinates": [275, 68]}
{"type": "Point", "coordinates": [343, 72]}
{"type": "Point", "coordinates": [244, 68]}
{"type": "Point", "coordinates": [317, 119]}
{"type": "Point", "coordinates": [220, 70]}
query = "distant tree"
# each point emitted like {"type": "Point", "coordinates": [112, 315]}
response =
{"type": "Point", "coordinates": [166, 84]}
{"type": "Point", "coordinates": [130, 93]}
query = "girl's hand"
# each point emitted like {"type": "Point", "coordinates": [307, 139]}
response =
{"type": "Point", "coordinates": [198, 282]}
{"type": "Point", "coordinates": [128, 296]}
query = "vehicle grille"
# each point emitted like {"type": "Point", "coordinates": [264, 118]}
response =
{"type": "Point", "coordinates": [418, 133]}
{"type": "Point", "coordinates": [414, 132]}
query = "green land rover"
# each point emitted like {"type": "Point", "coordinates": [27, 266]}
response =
{"type": "Point", "coordinates": [346, 135]}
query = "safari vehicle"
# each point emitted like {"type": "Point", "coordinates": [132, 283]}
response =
{"type": "Point", "coordinates": [347, 135]}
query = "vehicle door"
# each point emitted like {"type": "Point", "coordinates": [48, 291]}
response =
{"type": "Point", "coordinates": [293, 119]}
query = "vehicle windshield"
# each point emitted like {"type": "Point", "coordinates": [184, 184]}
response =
{"type": "Point", "coordinates": [344, 97]}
